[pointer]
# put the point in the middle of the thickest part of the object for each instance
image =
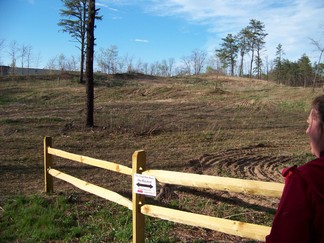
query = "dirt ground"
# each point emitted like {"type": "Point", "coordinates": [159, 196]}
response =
{"type": "Point", "coordinates": [209, 125]}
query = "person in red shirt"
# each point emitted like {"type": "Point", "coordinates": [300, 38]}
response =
{"type": "Point", "coordinates": [300, 213]}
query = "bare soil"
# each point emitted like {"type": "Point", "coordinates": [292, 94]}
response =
{"type": "Point", "coordinates": [213, 125]}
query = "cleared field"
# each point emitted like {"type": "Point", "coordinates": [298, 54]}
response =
{"type": "Point", "coordinates": [212, 125]}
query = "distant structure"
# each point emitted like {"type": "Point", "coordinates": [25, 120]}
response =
{"type": "Point", "coordinates": [7, 70]}
{"type": "Point", "coordinates": [4, 70]}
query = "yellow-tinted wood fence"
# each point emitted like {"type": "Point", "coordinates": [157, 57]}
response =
{"type": "Point", "coordinates": [140, 209]}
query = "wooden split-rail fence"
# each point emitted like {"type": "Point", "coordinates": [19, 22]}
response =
{"type": "Point", "coordinates": [140, 209]}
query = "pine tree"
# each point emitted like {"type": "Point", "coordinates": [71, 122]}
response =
{"type": "Point", "coordinates": [256, 44]}
{"type": "Point", "coordinates": [89, 62]}
{"type": "Point", "coordinates": [278, 63]}
{"type": "Point", "coordinates": [243, 46]}
{"type": "Point", "coordinates": [228, 53]}
{"type": "Point", "coordinates": [305, 70]}
{"type": "Point", "coordinates": [74, 21]}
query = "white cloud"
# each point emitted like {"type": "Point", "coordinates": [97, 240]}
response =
{"type": "Point", "coordinates": [289, 22]}
{"type": "Point", "coordinates": [104, 5]}
{"type": "Point", "coordinates": [141, 40]}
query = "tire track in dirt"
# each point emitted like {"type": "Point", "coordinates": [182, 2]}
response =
{"type": "Point", "coordinates": [256, 162]}
{"type": "Point", "coordinates": [253, 162]}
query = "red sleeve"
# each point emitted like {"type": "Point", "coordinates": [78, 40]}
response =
{"type": "Point", "coordinates": [292, 220]}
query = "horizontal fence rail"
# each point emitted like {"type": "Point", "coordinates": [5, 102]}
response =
{"type": "Point", "coordinates": [90, 161]}
{"type": "Point", "coordinates": [270, 189]}
{"type": "Point", "coordinates": [93, 189]}
{"type": "Point", "coordinates": [140, 209]}
{"type": "Point", "coordinates": [247, 230]}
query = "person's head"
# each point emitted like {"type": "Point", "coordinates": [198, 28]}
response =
{"type": "Point", "coordinates": [315, 129]}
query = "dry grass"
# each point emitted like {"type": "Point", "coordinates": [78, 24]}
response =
{"type": "Point", "coordinates": [206, 124]}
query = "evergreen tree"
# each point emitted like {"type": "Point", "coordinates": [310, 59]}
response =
{"type": "Point", "coordinates": [278, 63]}
{"type": "Point", "coordinates": [256, 44]}
{"type": "Point", "coordinates": [243, 46]}
{"type": "Point", "coordinates": [298, 73]}
{"type": "Point", "coordinates": [289, 72]}
{"type": "Point", "coordinates": [228, 52]}
{"type": "Point", "coordinates": [305, 70]}
{"type": "Point", "coordinates": [89, 62]}
{"type": "Point", "coordinates": [74, 21]}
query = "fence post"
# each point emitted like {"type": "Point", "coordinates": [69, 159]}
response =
{"type": "Point", "coordinates": [138, 166]}
{"type": "Point", "coordinates": [48, 162]}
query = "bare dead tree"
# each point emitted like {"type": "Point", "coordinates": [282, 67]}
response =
{"type": "Point", "coordinates": [171, 63]}
{"type": "Point", "coordinates": [2, 46]}
{"type": "Point", "coordinates": [29, 57]}
{"type": "Point", "coordinates": [320, 48]}
{"type": "Point", "coordinates": [198, 58]}
{"type": "Point", "coordinates": [187, 62]}
{"type": "Point", "coordinates": [13, 51]}
{"type": "Point", "coordinates": [23, 56]}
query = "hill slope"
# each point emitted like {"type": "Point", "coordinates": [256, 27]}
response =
{"type": "Point", "coordinates": [200, 124]}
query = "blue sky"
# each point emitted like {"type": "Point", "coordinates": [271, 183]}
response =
{"type": "Point", "coordinates": [153, 30]}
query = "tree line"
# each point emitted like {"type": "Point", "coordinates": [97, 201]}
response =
{"type": "Point", "coordinates": [294, 73]}
{"type": "Point", "coordinates": [109, 61]}
{"type": "Point", "coordinates": [251, 41]}
{"type": "Point", "coordinates": [19, 54]}
{"type": "Point", "coordinates": [240, 54]}
{"type": "Point", "coordinates": [298, 73]}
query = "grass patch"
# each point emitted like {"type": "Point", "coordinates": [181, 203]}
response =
{"type": "Point", "coordinates": [303, 158]}
{"type": "Point", "coordinates": [293, 106]}
{"type": "Point", "coordinates": [35, 218]}
{"type": "Point", "coordinates": [42, 218]}
{"type": "Point", "coordinates": [4, 100]}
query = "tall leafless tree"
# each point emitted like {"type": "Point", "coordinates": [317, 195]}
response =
{"type": "Point", "coordinates": [198, 58]}
{"type": "Point", "coordinates": [171, 63]}
{"type": "Point", "coordinates": [29, 57]}
{"type": "Point", "coordinates": [320, 48]}
{"type": "Point", "coordinates": [2, 46]}
{"type": "Point", "coordinates": [13, 52]}
{"type": "Point", "coordinates": [62, 62]}
{"type": "Point", "coordinates": [107, 59]}
{"type": "Point", "coordinates": [187, 63]}
{"type": "Point", "coordinates": [23, 56]}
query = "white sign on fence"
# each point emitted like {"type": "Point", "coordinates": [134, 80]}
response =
{"type": "Point", "coordinates": [145, 185]}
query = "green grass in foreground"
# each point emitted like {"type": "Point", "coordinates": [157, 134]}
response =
{"type": "Point", "coordinates": [42, 218]}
